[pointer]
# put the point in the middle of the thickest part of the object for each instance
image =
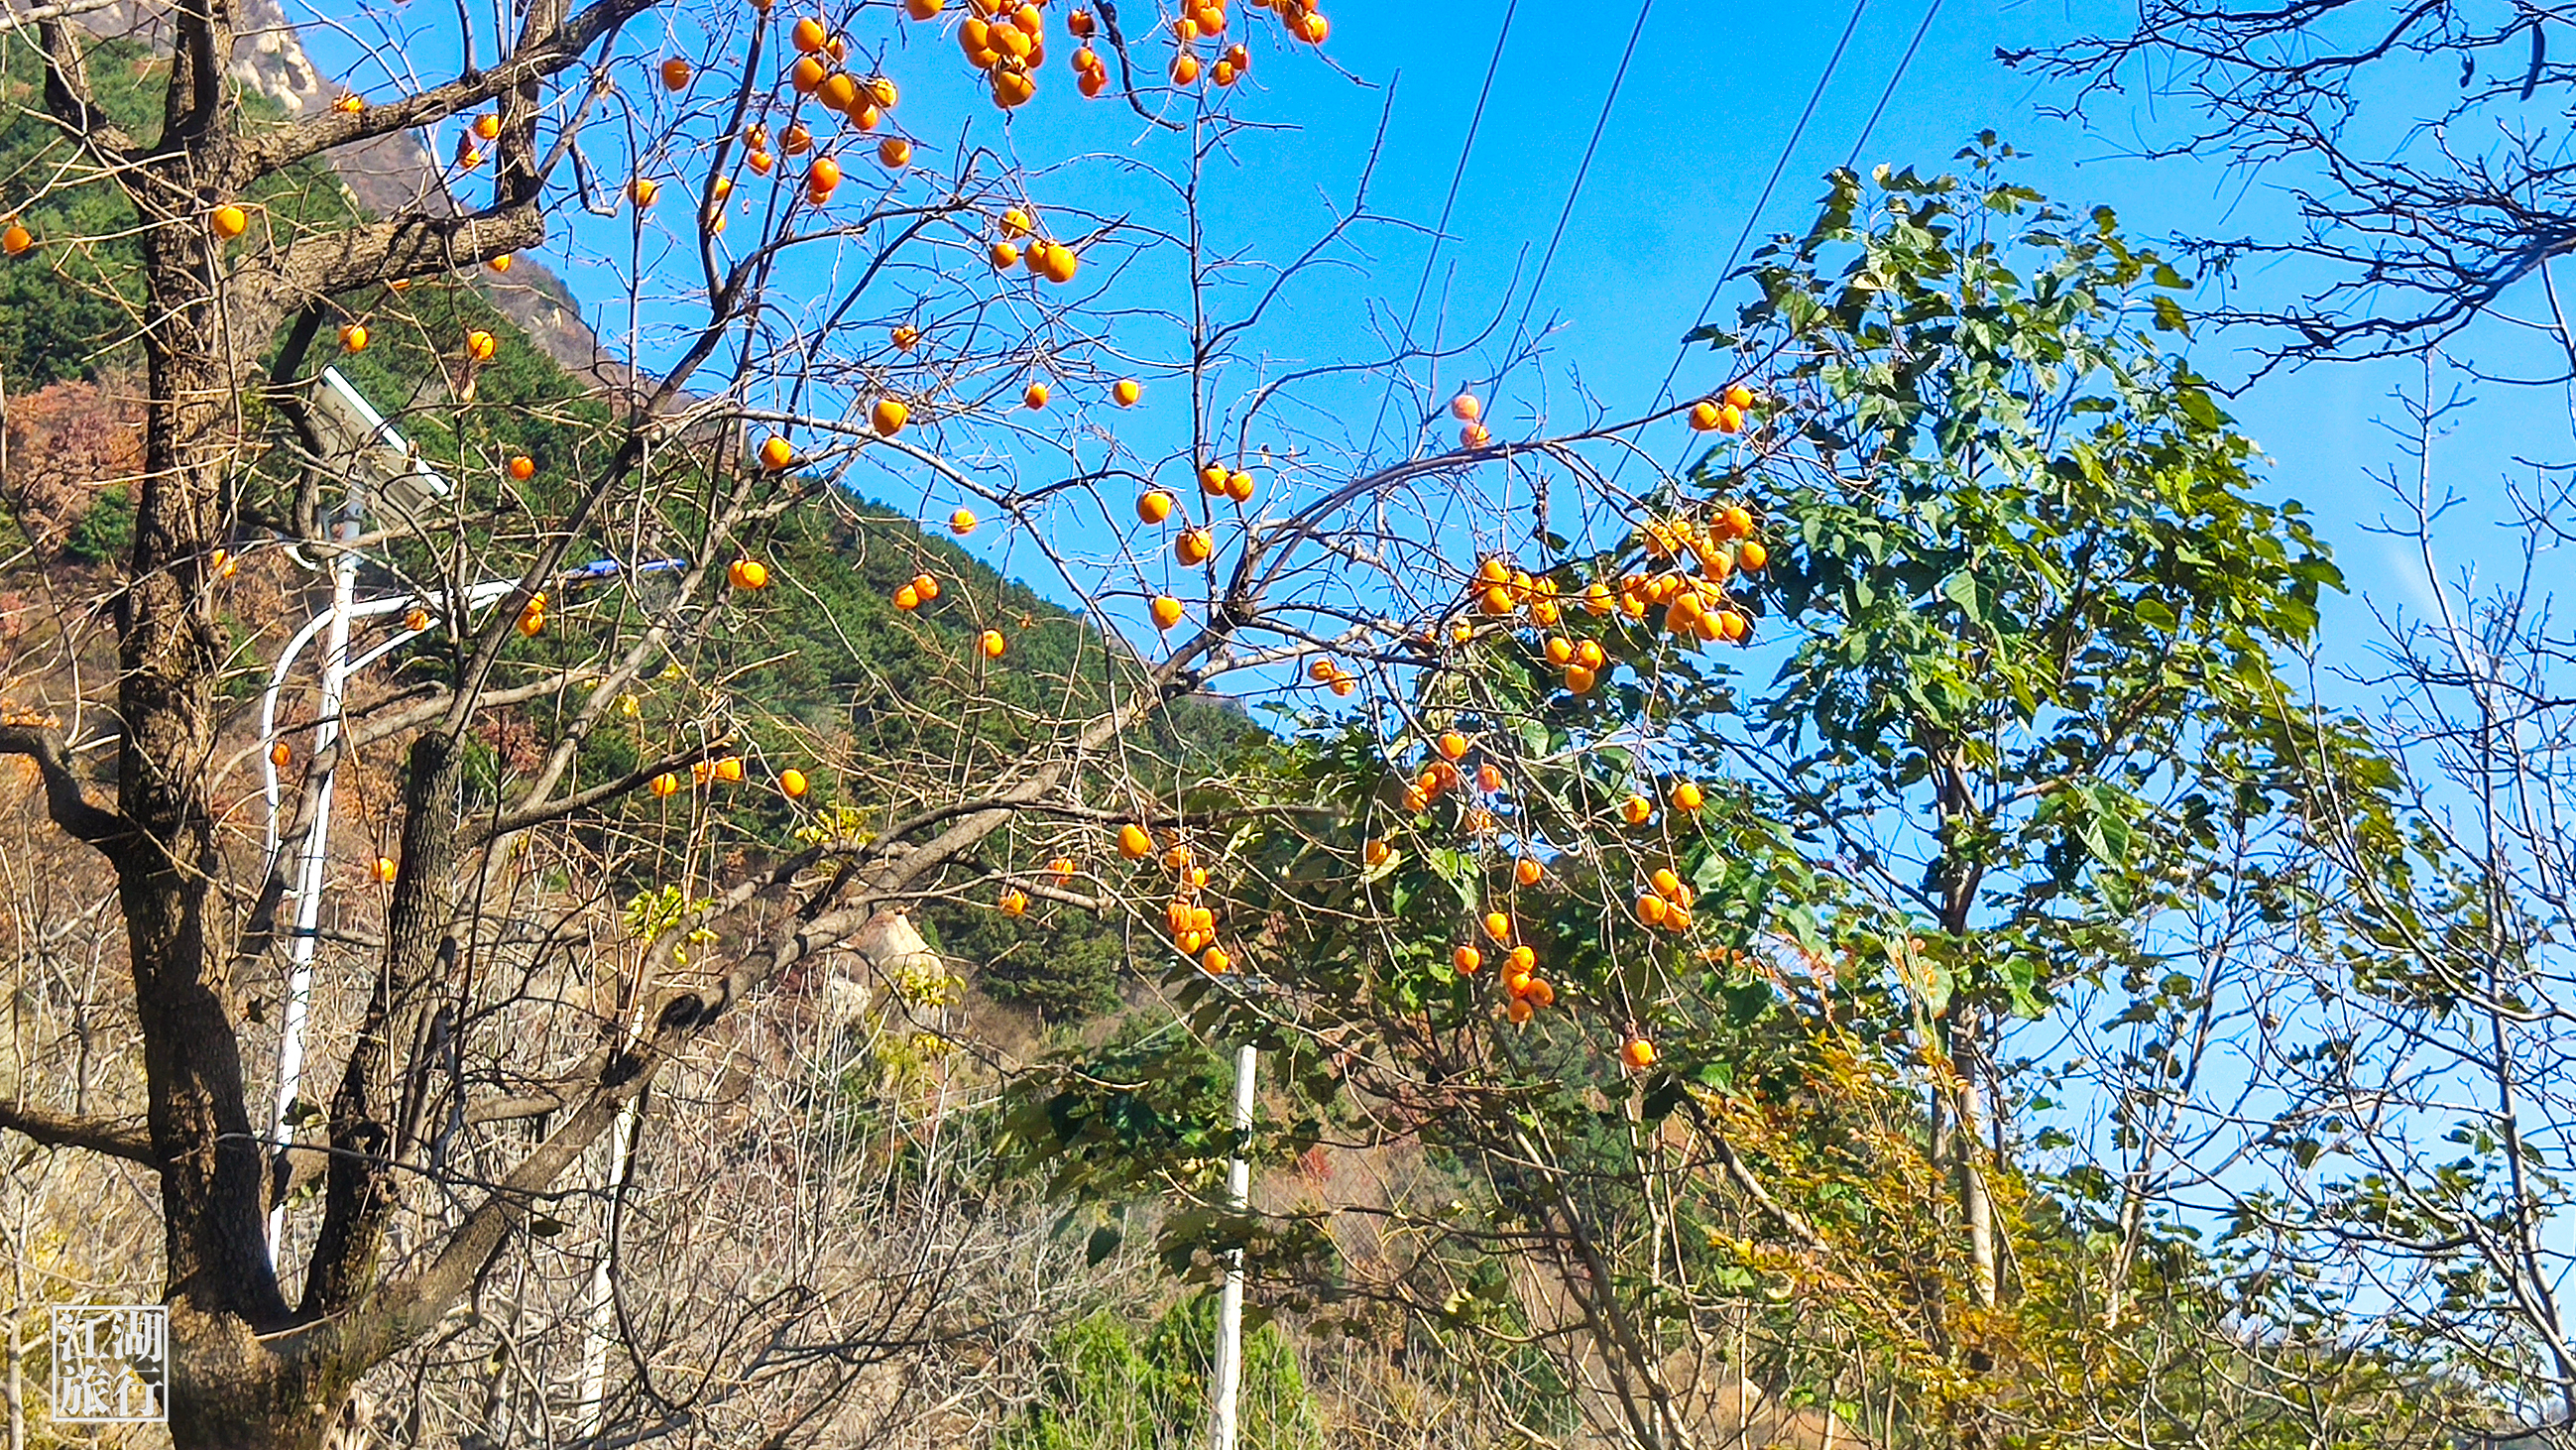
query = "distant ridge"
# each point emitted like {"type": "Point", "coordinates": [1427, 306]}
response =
{"type": "Point", "coordinates": [390, 174]}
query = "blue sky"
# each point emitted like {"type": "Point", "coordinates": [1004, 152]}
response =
{"type": "Point", "coordinates": [1707, 103]}
{"type": "Point", "coordinates": [1706, 106]}
{"type": "Point", "coordinates": [1702, 117]}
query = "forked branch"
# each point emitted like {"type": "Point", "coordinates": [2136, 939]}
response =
{"type": "Point", "coordinates": [65, 802]}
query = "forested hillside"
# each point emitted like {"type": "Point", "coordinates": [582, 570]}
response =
{"type": "Point", "coordinates": [828, 637]}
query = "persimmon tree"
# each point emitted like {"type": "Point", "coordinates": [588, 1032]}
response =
{"type": "Point", "coordinates": [1683, 912]}
{"type": "Point", "coordinates": [581, 826]}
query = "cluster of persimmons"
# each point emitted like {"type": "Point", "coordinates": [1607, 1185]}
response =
{"type": "Point", "coordinates": [1695, 560]}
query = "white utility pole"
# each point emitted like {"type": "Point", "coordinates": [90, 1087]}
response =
{"type": "Point", "coordinates": [410, 484]}
{"type": "Point", "coordinates": [369, 442]}
{"type": "Point", "coordinates": [290, 1052]}
{"type": "Point", "coordinates": [16, 1389]}
{"type": "Point", "coordinates": [313, 856]}
{"type": "Point", "coordinates": [1229, 1314]}
{"type": "Point", "coordinates": [590, 1407]}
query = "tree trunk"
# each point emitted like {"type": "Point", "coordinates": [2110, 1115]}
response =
{"type": "Point", "coordinates": [1976, 1198]}
{"type": "Point", "coordinates": [226, 1389]}
{"type": "Point", "coordinates": [374, 1118]}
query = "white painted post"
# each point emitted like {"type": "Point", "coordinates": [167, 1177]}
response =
{"type": "Point", "coordinates": [588, 1408]}
{"type": "Point", "coordinates": [1229, 1316]}
{"type": "Point", "coordinates": [17, 1388]}
{"type": "Point", "coordinates": [314, 859]}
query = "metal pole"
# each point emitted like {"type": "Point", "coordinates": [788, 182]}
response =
{"type": "Point", "coordinates": [404, 477]}
{"type": "Point", "coordinates": [1229, 1314]}
{"type": "Point", "coordinates": [313, 861]}
{"type": "Point", "coordinates": [270, 787]}
{"type": "Point", "coordinates": [335, 678]}
{"type": "Point", "coordinates": [477, 597]}
{"type": "Point", "coordinates": [590, 1407]}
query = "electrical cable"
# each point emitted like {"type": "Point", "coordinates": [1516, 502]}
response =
{"type": "Point", "coordinates": [1583, 168]}
{"type": "Point", "coordinates": [1475, 121]}
{"type": "Point", "coordinates": [1753, 217]}
{"type": "Point", "coordinates": [1889, 94]}
{"type": "Point", "coordinates": [1457, 177]}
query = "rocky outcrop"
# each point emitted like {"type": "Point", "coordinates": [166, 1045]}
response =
{"type": "Point", "coordinates": [388, 175]}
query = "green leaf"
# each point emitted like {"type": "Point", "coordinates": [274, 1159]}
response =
{"type": "Point", "coordinates": [1662, 1096]}
{"type": "Point", "coordinates": [1961, 589]}
{"type": "Point", "coordinates": [1104, 1242]}
{"type": "Point", "coordinates": [2102, 821]}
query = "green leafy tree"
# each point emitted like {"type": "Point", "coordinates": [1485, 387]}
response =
{"type": "Point", "coordinates": [1693, 968]}
{"type": "Point", "coordinates": [2039, 615]}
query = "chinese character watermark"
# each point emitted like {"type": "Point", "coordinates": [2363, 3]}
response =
{"type": "Point", "coordinates": [111, 1364]}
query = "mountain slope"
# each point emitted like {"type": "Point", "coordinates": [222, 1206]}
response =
{"type": "Point", "coordinates": [830, 651]}
{"type": "Point", "coordinates": [388, 174]}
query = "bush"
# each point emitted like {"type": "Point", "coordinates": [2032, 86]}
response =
{"type": "Point", "coordinates": [106, 532]}
{"type": "Point", "coordinates": [1108, 1387]}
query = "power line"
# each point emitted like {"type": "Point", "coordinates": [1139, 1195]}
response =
{"type": "Point", "coordinates": [1889, 94]}
{"type": "Point", "coordinates": [1475, 121]}
{"type": "Point", "coordinates": [1754, 217]}
{"type": "Point", "coordinates": [1457, 177]}
{"type": "Point", "coordinates": [1583, 168]}
{"type": "Point", "coordinates": [1886, 94]}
